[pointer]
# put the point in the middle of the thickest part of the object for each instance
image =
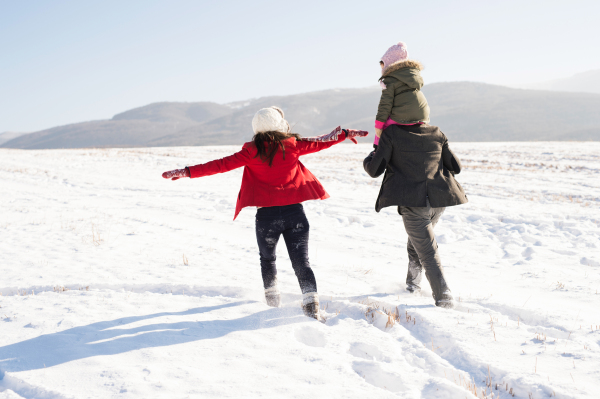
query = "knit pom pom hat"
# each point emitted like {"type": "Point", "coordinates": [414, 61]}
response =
{"type": "Point", "coordinates": [270, 120]}
{"type": "Point", "coordinates": [396, 53]}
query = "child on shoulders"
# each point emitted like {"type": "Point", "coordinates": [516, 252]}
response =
{"type": "Point", "coordinates": [402, 102]}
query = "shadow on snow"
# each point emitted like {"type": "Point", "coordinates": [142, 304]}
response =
{"type": "Point", "coordinates": [111, 338]}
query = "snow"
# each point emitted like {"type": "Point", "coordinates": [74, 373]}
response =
{"type": "Point", "coordinates": [118, 283]}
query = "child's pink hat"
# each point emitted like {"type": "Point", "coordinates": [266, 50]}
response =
{"type": "Point", "coordinates": [398, 52]}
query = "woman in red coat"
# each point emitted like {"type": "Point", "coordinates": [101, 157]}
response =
{"type": "Point", "coordinates": [277, 183]}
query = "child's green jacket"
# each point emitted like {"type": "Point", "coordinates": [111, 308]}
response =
{"type": "Point", "coordinates": [402, 99]}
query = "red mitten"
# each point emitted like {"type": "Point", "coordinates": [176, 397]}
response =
{"type": "Point", "coordinates": [176, 174]}
{"type": "Point", "coordinates": [351, 134]}
{"type": "Point", "coordinates": [333, 136]}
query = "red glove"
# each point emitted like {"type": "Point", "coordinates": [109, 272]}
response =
{"type": "Point", "coordinates": [176, 174]}
{"type": "Point", "coordinates": [351, 134]}
{"type": "Point", "coordinates": [333, 136]}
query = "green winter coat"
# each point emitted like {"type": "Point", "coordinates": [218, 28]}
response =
{"type": "Point", "coordinates": [402, 99]}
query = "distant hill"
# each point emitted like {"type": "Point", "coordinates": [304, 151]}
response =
{"type": "Point", "coordinates": [6, 136]}
{"type": "Point", "coordinates": [184, 113]}
{"type": "Point", "coordinates": [584, 82]}
{"type": "Point", "coordinates": [309, 114]}
{"type": "Point", "coordinates": [466, 111]}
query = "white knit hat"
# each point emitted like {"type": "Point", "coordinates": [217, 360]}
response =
{"type": "Point", "coordinates": [270, 120]}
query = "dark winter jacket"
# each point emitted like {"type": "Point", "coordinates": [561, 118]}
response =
{"type": "Point", "coordinates": [418, 163]}
{"type": "Point", "coordinates": [402, 99]}
{"type": "Point", "coordinates": [286, 182]}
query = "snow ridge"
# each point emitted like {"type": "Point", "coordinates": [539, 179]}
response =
{"type": "Point", "coordinates": [11, 386]}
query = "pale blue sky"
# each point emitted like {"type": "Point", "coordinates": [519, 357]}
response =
{"type": "Point", "coordinates": [65, 61]}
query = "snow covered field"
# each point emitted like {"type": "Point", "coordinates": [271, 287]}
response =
{"type": "Point", "coordinates": [118, 283]}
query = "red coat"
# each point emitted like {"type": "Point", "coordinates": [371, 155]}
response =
{"type": "Point", "coordinates": [287, 182]}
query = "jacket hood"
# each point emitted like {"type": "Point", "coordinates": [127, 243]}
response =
{"type": "Point", "coordinates": [401, 64]}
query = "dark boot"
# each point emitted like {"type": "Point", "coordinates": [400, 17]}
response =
{"type": "Point", "coordinates": [310, 306]}
{"type": "Point", "coordinates": [272, 296]}
{"type": "Point", "coordinates": [446, 300]}
{"type": "Point", "coordinates": [414, 276]}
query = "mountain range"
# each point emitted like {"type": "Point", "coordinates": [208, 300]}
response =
{"type": "Point", "coordinates": [584, 82]}
{"type": "Point", "coordinates": [465, 111]}
{"type": "Point", "coordinates": [6, 136]}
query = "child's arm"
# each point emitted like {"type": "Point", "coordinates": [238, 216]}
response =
{"type": "Point", "coordinates": [385, 105]}
{"type": "Point", "coordinates": [237, 160]}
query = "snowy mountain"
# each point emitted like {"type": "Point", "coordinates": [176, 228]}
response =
{"type": "Point", "coordinates": [466, 111]}
{"type": "Point", "coordinates": [584, 82]}
{"type": "Point", "coordinates": [133, 128]}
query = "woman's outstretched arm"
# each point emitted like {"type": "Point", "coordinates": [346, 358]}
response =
{"type": "Point", "coordinates": [314, 144]}
{"type": "Point", "coordinates": [237, 160]}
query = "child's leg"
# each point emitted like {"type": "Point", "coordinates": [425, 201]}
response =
{"type": "Point", "coordinates": [296, 241]}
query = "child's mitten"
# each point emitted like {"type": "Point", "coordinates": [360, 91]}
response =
{"type": "Point", "coordinates": [351, 134]}
{"type": "Point", "coordinates": [176, 174]}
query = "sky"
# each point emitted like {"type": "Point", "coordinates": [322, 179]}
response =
{"type": "Point", "coordinates": [66, 61]}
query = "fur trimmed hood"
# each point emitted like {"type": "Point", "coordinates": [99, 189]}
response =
{"type": "Point", "coordinates": [401, 64]}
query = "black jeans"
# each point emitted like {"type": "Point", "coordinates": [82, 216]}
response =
{"type": "Point", "coordinates": [289, 220]}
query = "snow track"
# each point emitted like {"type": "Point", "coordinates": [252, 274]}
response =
{"type": "Point", "coordinates": [124, 285]}
{"type": "Point", "coordinates": [174, 289]}
{"type": "Point", "coordinates": [451, 353]}
{"type": "Point", "coordinates": [13, 388]}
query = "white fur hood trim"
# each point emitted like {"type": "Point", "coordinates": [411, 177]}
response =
{"type": "Point", "coordinates": [402, 64]}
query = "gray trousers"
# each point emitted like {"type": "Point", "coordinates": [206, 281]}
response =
{"type": "Point", "coordinates": [423, 249]}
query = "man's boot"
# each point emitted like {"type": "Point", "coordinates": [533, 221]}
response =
{"type": "Point", "coordinates": [414, 276]}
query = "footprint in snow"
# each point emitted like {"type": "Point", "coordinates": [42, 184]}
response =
{"type": "Point", "coordinates": [367, 351]}
{"type": "Point", "coordinates": [375, 375]}
{"type": "Point", "coordinates": [310, 336]}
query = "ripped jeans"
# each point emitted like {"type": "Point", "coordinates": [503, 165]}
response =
{"type": "Point", "coordinates": [289, 220]}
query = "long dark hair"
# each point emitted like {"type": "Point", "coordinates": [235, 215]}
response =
{"type": "Point", "coordinates": [267, 144]}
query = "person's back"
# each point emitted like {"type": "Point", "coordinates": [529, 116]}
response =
{"type": "Point", "coordinates": [419, 179]}
{"type": "Point", "coordinates": [418, 164]}
{"type": "Point", "coordinates": [282, 181]}
{"type": "Point", "coordinates": [285, 166]}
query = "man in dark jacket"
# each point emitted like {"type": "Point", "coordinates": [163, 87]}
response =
{"type": "Point", "coordinates": [419, 179]}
